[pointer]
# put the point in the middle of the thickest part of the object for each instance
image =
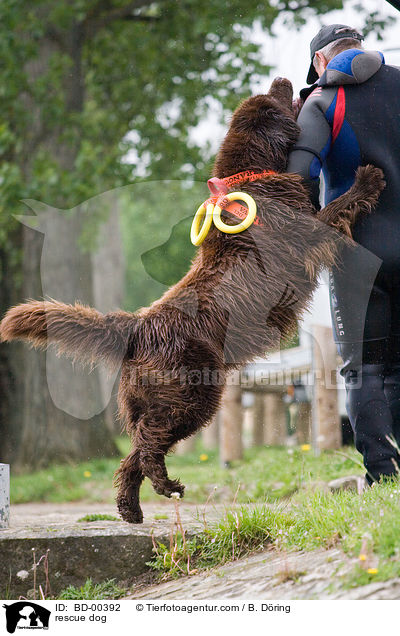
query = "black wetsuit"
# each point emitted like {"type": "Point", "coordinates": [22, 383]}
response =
{"type": "Point", "coordinates": [350, 119]}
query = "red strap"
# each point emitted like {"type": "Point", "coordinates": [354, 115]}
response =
{"type": "Point", "coordinates": [220, 186]}
{"type": "Point", "coordinates": [240, 211]}
{"type": "Point", "coordinates": [217, 186]}
{"type": "Point", "coordinates": [340, 110]}
{"type": "Point", "coordinates": [233, 207]}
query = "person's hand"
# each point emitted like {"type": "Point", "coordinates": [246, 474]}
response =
{"type": "Point", "coordinates": [297, 105]}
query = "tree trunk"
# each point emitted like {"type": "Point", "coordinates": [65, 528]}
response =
{"type": "Point", "coordinates": [11, 356]}
{"type": "Point", "coordinates": [258, 420]}
{"type": "Point", "coordinates": [210, 434]}
{"type": "Point", "coordinates": [76, 430]}
{"type": "Point", "coordinates": [303, 423]}
{"type": "Point", "coordinates": [186, 446]}
{"type": "Point", "coordinates": [62, 403]}
{"type": "Point", "coordinates": [108, 269]}
{"type": "Point", "coordinates": [327, 430]}
{"type": "Point", "coordinates": [275, 419]}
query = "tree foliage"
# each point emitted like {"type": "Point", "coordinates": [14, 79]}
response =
{"type": "Point", "coordinates": [115, 67]}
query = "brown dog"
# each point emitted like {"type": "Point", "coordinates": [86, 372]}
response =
{"type": "Point", "coordinates": [242, 294]}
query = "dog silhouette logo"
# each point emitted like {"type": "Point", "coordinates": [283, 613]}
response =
{"type": "Point", "coordinates": [26, 615]}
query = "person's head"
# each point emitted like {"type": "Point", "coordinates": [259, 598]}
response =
{"type": "Point", "coordinates": [329, 42]}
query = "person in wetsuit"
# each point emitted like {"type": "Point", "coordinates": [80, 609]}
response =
{"type": "Point", "coordinates": [351, 118]}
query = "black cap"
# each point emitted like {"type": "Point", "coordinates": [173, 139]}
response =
{"type": "Point", "coordinates": [325, 36]}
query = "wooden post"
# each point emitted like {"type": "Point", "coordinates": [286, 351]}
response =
{"type": "Point", "coordinates": [303, 423]}
{"type": "Point", "coordinates": [210, 434]}
{"type": "Point", "coordinates": [275, 419]}
{"type": "Point", "coordinates": [326, 427]}
{"type": "Point", "coordinates": [4, 495]}
{"type": "Point", "coordinates": [231, 446]}
{"type": "Point", "coordinates": [186, 446]}
{"type": "Point", "coordinates": [258, 420]}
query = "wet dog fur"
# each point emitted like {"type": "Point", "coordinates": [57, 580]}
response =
{"type": "Point", "coordinates": [242, 294]}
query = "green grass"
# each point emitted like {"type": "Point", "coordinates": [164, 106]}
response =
{"type": "Point", "coordinates": [65, 483]}
{"type": "Point", "coordinates": [93, 591]}
{"type": "Point", "coordinates": [238, 533]}
{"type": "Point", "coordinates": [265, 474]}
{"type": "Point", "coordinates": [97, 517]}
{"type": "Point", "coordinates": [366, 525]}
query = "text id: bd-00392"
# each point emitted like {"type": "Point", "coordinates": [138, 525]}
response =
{"type": "Point", "coordinates": [89, 607]}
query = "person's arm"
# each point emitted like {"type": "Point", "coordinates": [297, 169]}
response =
{"type": "Point", "coordinates": [314, 142]}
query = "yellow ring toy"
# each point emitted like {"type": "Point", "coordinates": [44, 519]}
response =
{"type": "Point", "coordinates": [251, 215]}
{"type": "Point", "coordinates": [197, 233]}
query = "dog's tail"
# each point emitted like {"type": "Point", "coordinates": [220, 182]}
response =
{"type": "Point", "coordinates": [78, 331]}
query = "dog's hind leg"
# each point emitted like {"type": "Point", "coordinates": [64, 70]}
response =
{"type": "Point", "coordinates": [152, 458]}
{"type": "Point", "coordinates": [156, 471]}
{"type": "Point", "coordinates": [129, 478]}
{"type": "Point", "coordinates": [179, 409]}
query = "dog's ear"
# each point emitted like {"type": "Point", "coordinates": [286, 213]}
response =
{"type": "Point", "coordinates": [282, 91]}
{"type": "Point", "coordinates": [258, 111]}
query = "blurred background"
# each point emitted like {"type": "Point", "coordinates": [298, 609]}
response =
{"type": "Point", "coordinates": [111, 114]}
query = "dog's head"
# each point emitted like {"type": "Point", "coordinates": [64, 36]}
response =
{"type": "Point", "coordinates": [262, 131]}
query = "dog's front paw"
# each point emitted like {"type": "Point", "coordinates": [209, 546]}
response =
{"type": "Point", "coordinates": [370, 181]}
{"type": "Point", "coordinates": [129, 512]}
{"type": "Point", "coordinates": [175, 489]}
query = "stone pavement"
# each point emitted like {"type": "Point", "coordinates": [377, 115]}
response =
{"type": "Point", "coordinates": [273, 575]}
{"type": "Point", "coordinates": [37, 516]}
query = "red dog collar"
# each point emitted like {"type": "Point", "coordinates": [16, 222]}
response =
{"type": "Point", "coordinates": [219, 187]}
